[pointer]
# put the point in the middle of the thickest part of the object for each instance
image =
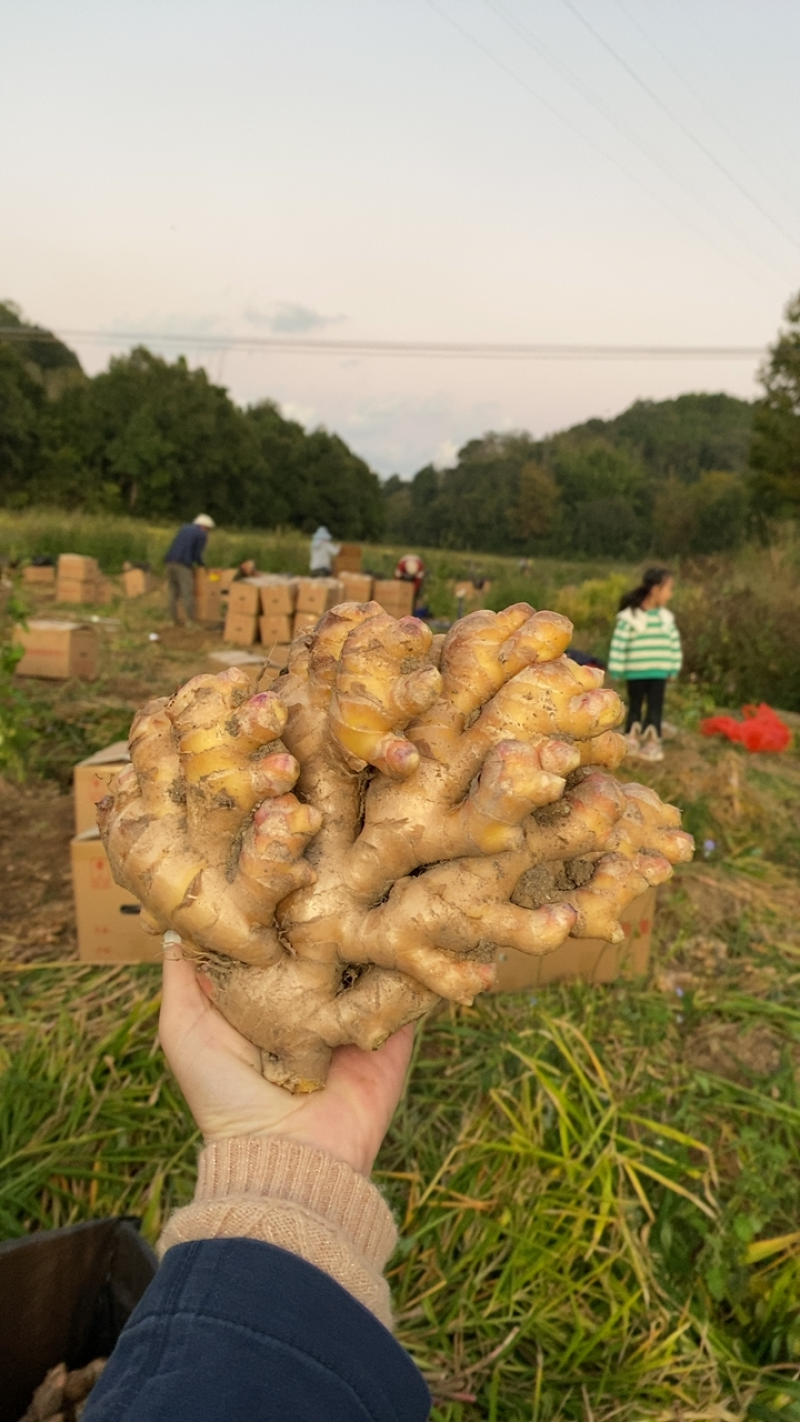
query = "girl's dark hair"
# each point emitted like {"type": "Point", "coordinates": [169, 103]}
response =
{"type": "Point", "coordinates": [651, 578]}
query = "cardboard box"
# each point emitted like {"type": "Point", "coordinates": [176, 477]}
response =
{"type": "Point", "coordinates": [226, 577]}
{"type": "Point", "coordinates": [348, 559]}
{"type": "Point", "coordinates": [91, 779]}
{"type": "Point", "coordinates": [317, 595]}
{"type": "Point", "coordinates": [76, 568]}
{"type": "Point", "coordinates": [278, 656]}
{"type": "Point", "coordinates": [394, 596]}
{"type": "Point", "coordinates": [589, 959]}
{"type": "Point", "coordinates": [57, 650]}
{"type": "Point", "coordinates": [208, 595]}
{"type": "Point", "coordinates": [242, 628]}
{"type": "Point", "coordinates": [302, 621]}
{"type": "Point", "coordinates": [278, 596]}
{"type": "Point", "coordinates": [248, 662]}
{"type": "Point", "coordinates": [75, 590]}
{"type": "Point", "coordinates": [276, 628]}
{"type": "Point", "coordinates": [470, 598]}
{"type": "Point", "coordinates": [35, 574]}
{"type": "Point", "coordinates": [105, 590]}
{"type": "Point", "coordinates": [108, 917]}
{"type": "Point", "coordinates": [136, 582]}
{"type": "Point", "coordinates": [356, 587]}
{"type": "Point", "coordinates": [244, 596]}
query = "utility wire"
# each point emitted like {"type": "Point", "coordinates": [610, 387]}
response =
{"type": "Point", "coordinates": [447, 350]}
{"type": "Point", "coordinates": [590, 97]}
{"type": "Point", "coordinates": [699, 99]}
{"type": "Point", "coordinates": [654, 196]}
{"type": "Point", "coordinates": [684, 128]}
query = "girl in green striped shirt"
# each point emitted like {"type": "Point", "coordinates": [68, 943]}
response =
{"type": "Point", "coordinates": [645, 651]}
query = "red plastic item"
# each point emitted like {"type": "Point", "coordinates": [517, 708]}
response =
{"type": "Point", "coordinates": [761, 730]}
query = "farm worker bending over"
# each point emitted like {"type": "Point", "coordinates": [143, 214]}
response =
{"type": "Point", "coordinates": [646, 651]}
{"type": "Point", "coordinates": [270, 1304]}
{"type": "Point", "coordinates": [185, 554]}
{"type": "Point", "coordinates": [323, 552]}
{"type": "Point", "coordinates": [411, 569]}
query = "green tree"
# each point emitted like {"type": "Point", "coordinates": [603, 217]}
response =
{"type": "Point", "coordinates": [775, 450]}
{"type": "Point", "coordinates": [538, 501]}
{"type": "Point", "coordinates": [21, 403]}
{"type": "Point", "coordinates": [709, 516]}
{"type": "Point", "coordinates": [165, 439]}
{"type": "Point", "coordinates": [48, 361]}
{"type": "Point", "coordinates": [315, 478]}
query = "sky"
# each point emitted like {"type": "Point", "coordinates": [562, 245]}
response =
{"type": "Point", "coordinates": [560, 172]}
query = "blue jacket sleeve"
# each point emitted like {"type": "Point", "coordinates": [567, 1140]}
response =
{"type": "Point", "coordinates": [233, 1328]}
{"type": "Point", "coordinates": [187, 546]}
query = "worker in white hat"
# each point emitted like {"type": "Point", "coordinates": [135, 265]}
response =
{"type": "Point", "coordinates": [184, 555]}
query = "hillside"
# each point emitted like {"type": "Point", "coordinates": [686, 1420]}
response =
{"type": "Point", "coordinates": [663, 478]}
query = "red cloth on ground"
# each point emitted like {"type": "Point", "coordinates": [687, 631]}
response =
{"type": "Point", "coordinates": [761, 730]}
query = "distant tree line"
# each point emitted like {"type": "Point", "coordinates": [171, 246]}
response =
{"type": "Point", "coordinates": [697, 474]}
{"type": "Point", "coordinates": [660, 478]}
{"type": "Point", "coordinates": [153, 438]}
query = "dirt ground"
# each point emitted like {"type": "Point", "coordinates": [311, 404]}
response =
{"type": "Point", "coordinates": [743, 811]}
{"type": "Point", "coordinates": [141, 656]}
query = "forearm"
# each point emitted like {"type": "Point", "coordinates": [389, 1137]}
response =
{"type": "Point", "coordinates": [274, 1190]}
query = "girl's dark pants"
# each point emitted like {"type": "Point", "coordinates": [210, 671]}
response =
{"type": "Point", "coordinates": [650, 689]}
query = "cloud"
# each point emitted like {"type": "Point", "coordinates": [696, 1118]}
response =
{"type": "Point", "coordinates": [446, 456]}
{"type": "Point", "coordinates": [303, 414]}
{"type": "Point", "coordinates": [404, 433]}
{"type": "Point", "coordinates": [289, 318]}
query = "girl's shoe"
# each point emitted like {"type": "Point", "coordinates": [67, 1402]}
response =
{"type": "Point", "coordinates": [650, 747]}
{"type": "Point", "coordinates": [632, 740]}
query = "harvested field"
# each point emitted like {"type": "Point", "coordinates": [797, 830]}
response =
{"type": "Point", "coordinates": [600, 1212]}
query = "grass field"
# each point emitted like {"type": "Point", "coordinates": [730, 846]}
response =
{"type": "Point", "coordinates": [598, 1188]}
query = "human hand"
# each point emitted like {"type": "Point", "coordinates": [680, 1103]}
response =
{"type": "Point", "coordinates": [219, 1073]}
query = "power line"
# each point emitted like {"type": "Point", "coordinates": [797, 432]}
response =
{"type": "Point", "coordinates": [443, 350]}
{"type": "Point", "coordinates": [699, 99]}
{"type": "Point", "coordinates": [698, 143]}
{"type": "Point", "coordinates": [574, 128]}
{"type": "Point", "coordinates": [590, 97]}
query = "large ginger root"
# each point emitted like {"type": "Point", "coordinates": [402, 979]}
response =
{"type": "Point", "coordinates": [345, 849]}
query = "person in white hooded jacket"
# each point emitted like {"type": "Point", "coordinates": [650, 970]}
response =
{"type": "Point", "coordinates": [323, 552]}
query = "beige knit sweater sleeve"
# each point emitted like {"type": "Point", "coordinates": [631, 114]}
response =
{"type": "Point", "coordinates": [296, 1197]}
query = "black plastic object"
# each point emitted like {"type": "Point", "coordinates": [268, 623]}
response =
{"type": "Point", "coordinates": [65, 1296]}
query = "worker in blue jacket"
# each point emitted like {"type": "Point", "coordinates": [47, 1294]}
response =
{"type": "Point", "coordinates": [184, 555]}
{"type": "Point", "coordinates": [270, 1303]}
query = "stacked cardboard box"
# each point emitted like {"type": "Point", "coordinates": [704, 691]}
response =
{"type": "Point", "coordinates": [57, 650]}
{"type": "Point", "coordinates": [356, 587]}
{"type": "Point", "coordinates": [302, 622]}
{"type": "Point", "coordinates": [241, 620]}
{"type": "Point", "coordinates": [276, 625]}
{"type": "Point", "coordinates": [108, 917]}
{"type": "Point", "coordinates": [394, 596]}
{"type": "Point", "coordinates": [254, 666]}
{"type": "Point", "coordinates": [589, 959]}
{"type": "Point", "coordinates": [315, 596]}
{"type": "Point", "coordinates": [136, 582]}
{"type": "Point", "coordinates": [261, 608]}
{"type": "Point", "coordinates": [78, 579]}
{"type": "Point", "coordinates": [91, 779]}
{"type": "Point", "coordinates": [348, 559]}
{"type": "Point", "coordinates": [44, 575]}
{"type": "Point", "coordinates": [208, 594]}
